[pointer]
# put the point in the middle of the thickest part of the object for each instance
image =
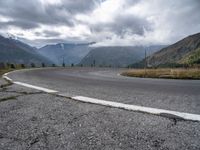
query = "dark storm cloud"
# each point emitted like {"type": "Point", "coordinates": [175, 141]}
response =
{"type": "Point", "coordinates": [25, 12]}
{"type": "Point", "coordinates": [48, 33]}
{"type": "Point", "coordinates": [79, 6]}
{"type": "Point", "coordinates": [19, 23]}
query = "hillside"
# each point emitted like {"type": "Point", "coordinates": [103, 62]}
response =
{"type": "Point", "coordinates": [71, 52]}
{"type": "Point", "coordinates": [117, 56]}
{"type": "Point", "coordinates": [14, 51]}
{"type": "Point", "coordinates": [185, 51]}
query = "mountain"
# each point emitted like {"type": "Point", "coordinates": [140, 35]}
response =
{"type": "Point", "coordinates": [70, 52]}
{"type": "Point", "coordinates": [185, 51]}
{"type": "Point", "coordinates": [117, 56]}
{"type": "Point", "coordinates": [15, 51]}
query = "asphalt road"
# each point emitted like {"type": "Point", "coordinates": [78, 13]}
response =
{"type": "Point", "coordinates": [31, 119]}
{"type": "Point", "coordinates": [107, 84]}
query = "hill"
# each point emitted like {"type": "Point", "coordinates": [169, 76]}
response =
{"type": "Point", "coordinates": [70, 52]}
{"type": "Point", "coordinates": [117, 56]}
{"type": "Point", "coordinates": [15, 51]}
{"type": "Point", "coordinates": [183, 52]}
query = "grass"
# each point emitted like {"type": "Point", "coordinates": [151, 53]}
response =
{"type": "Point", "coordinates": [192, 73]}
{"type": "Point", "coordinates": [2, 71]}
{"type": "Point", "coordinates": [8, 69]}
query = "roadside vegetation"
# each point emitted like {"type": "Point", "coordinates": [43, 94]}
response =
{"type": "Point", "coordinates": [6, 67]}
{"type": "Point", "coordinates": [176, 73]}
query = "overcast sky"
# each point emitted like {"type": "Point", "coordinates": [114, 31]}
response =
{"type": "Point", "coordinates": [107, 22]}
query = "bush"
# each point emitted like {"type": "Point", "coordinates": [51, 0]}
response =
{"type": "Point", "coordinates": [32, 65]}
{"type": "Point", "coordinates": [22, 66]}
{"type": "Point", "coordinates": [43, 64]}
{"type": "Point", "coordinates": [12, 66]}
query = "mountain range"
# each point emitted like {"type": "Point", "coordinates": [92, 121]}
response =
{"type": "Point", "coordinates": [15, 51]}
{"type": "Point", "coordinates": [65, 52]}
{"type": "Point", "coordinates": [183, 52]}
{"type": "Point", "coordinates": [117, 56]}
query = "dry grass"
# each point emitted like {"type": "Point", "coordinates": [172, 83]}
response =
{"type": "Point", "coordinates": [2, 71]}
{"type": "Point", "coordinates": [192, 73]}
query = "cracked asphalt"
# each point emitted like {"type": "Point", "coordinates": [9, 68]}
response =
{"type": "Point", "coordinates": [30, 119]}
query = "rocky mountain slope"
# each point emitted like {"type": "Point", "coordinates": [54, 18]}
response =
{"type": "Point", "coordinates": [185, 51]}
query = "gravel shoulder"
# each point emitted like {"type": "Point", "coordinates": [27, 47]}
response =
{"type": "Point", "coordinates": [30, 119]}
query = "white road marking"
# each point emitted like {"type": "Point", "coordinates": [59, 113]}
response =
{"type": "Point", "coordinates": [36, 87]}
{"type": "Point", "coordinates": [156, 111]}
{"type": "Point", "coordinates": [7, 78]}
{"type": "Point", "coordinates": [186, 116]}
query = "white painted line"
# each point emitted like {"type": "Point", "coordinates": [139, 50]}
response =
{"type": "Point", "coordinates": [7, 78]}
{"type": "Point", "coordinates": [5, 74]}
{"type": "Point", "coordinates": [36, 87]}
{"type": "Point", "coordinates": [186, 116]}
{"type": "Point", "coordinates": [28, 85]}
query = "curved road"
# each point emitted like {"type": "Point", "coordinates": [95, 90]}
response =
{"type": "Point", "coordinates": [107, 84]}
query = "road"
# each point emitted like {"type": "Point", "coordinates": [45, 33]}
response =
{"type": "Point", "coordinates": [107, 84]}
{"type": "Point", "coordinates": [31, 119]}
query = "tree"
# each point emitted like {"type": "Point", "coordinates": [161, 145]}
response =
{"type": "Point", "coordinates": [32, 65]}
{"type": "Point", "coordinates": [43, 64]}
{"type": "Point", "coordinates": [22, 66]}
{"type": "Point", "coordinates": [12, 66]}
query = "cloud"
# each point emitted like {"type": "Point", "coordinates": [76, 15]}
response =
{"type": "Point", "coordinates": [108, 22]}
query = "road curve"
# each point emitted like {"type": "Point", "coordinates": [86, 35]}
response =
{"type": "Point", "coordinates": [107, 84]}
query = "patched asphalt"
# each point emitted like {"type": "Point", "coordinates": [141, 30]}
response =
{"type": "Point", "coordinates": [36, 120]}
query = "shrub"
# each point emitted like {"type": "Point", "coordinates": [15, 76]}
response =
{"type": "Point", "coordinates": [32, 65]}
{"type": "Point", "coordinates": [22, 66]}
{"type": "Point", "coordinates": [43, 64]}
{"type": "Point", "coordinates": [12, 66]}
